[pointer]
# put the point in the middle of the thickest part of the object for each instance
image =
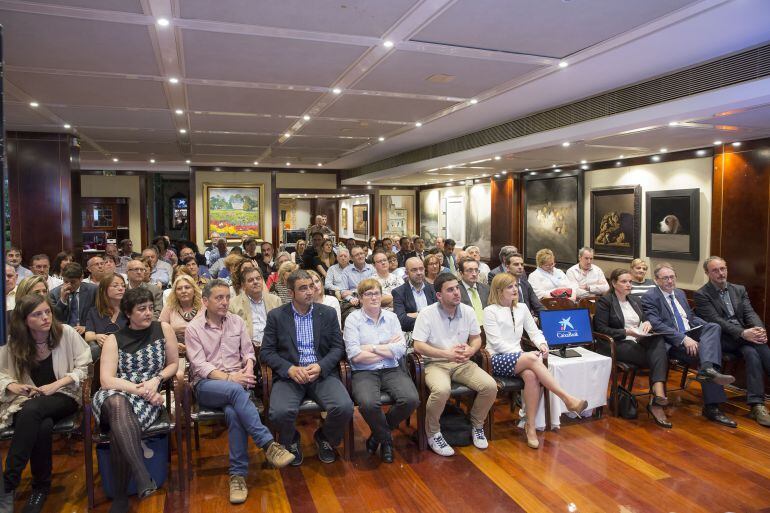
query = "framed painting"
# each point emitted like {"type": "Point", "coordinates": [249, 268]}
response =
{"type": "Point", "coordinates": [553, 203]}
{"type": "Point", "coordinates": [233, 211]}
{"type": "Point", "coordinates": [616, 222]}
{"type": "Point", "coordinates": [361, 221]}
{"type": "Point", "coordinates": [396, 215]}
{"type": "Point", "coordinates": [673, 228]}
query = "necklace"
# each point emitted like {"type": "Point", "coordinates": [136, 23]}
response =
{"type": "Point", "coordinates": [187, 316]}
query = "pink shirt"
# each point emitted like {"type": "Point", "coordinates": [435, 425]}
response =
{"type": "Point", "coordinates": [210, 347]}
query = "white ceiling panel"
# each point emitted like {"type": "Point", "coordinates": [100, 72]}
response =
{"type": "Point", "coordinates": [198, 138]}
{"type": "Point", "coordinates": [209, 122]}
{"type": "Point", "coordinates": [140, 147]}
{"type": "Point", "coordinates": [750, 118]}
{"type": "Point", "coordinates": [109, 117]}
{"type": "Point", "coordinates": [357, 17]}
{"type": "Point", "coordinates": [126, 134]}
{"type": "Point", "coordinates": [241, 151]}
{"type": "Point", "coordinates": [322, 142]}
{"type": "Point", "coordinates": [247, 100]}
{"type": "Point", "coordinates": [383, 107]}
{"type": "Point", "coordinates": [552, 28]}
{"type": "Point", "coordinates": [69, 43]}
{"type": "Point", "coordinates": [21, 114]}
{"type": "Point", "coordinates": [218, 56]}
{"type": "Point", "coordinates": [331, 128]}
{"type": "Point", "coordinates": [132, 6]}
{"type": "Point", "coordinates": [407, 72]}
{"type": "Point", "coordinates": [70, 90]}
{"type": "Point", "coordinates": [306, 153]}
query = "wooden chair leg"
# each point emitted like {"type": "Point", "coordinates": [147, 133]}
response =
{"type": "Point", "coordinates": [422, 438]}
{"type": "Point", "coordinates": [179, 445]}
{"type": "Point", "coordinates": [88, 454]}
{"type": "Point", "coordinates": [488, 423]}
{"type": "Point", "coordinates": [197, 436]}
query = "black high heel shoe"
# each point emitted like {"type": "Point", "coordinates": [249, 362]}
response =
{"type": "Point", "coordinates": [664, 423]}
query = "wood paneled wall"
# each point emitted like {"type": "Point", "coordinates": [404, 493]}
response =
{"type": "Point", "coordinates": [40, 193]}
{"type": "Point", "coordinates": [506, 199]}
{"type": "Point", "coordinates": [740, 229]}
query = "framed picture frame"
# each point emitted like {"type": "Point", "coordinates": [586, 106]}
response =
{"type": "Point", "coordinates": [616, 222]}
{"type": "Point", "coordinates": [234, 211]}
{"type": "Point", "coordinates": [673, 224]}
{"type": "Point", "coordinates": [361, 221]}
{"type": "Point", "coordinates": [553, 207]}
{"type": "Point", "coordinates": [396, 215]}
{"type": "Point", "coordinates": [344, 219]}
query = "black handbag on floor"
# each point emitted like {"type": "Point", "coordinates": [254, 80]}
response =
{"type": "Point", "coordinates": [628, 406]}
{"type": "Point", "coordinates": [455, 426]}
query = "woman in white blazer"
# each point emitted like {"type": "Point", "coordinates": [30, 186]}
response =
{"type": "Point", "coordinates": [505, 320]}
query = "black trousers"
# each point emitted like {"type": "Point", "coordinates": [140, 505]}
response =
{"type": "Point", "coordinates": [647, 353]}
{"type": "Point", "coordinates": [757, 359]}
{"type": "Point", "coordinates": [328, 392]}
{"type": "Point", "coordinates": [32, 439]}
{"type": "Point", "coordinates": [367, 388]}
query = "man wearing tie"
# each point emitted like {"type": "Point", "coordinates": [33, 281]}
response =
{"type": "Point", "coordinates": [472, 292]}
{"type": "Point", "coordinates": [688, 338]}
{"type": "Point", "coordinates": [743, 332]}
{"type": "Point", "coordinates": [73, 298]}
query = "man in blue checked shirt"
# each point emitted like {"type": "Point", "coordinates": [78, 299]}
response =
{"type": "Point", "coordinates": [375, 345]}
{"type": "Point", "coordinates": [303, 345]}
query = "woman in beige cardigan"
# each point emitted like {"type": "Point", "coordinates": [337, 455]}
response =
{"type": "Point", "coordinates": [41, 371]}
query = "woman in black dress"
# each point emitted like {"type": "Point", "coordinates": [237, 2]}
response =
{"type": "Point", "coordinates": [105, 318]}
{"type": "Point", "coordinates": [135, 362]}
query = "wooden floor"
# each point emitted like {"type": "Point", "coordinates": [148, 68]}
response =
{"type": "Point", "coordinates": [594, 465]}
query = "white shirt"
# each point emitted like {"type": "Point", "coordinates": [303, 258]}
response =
{"type": "Point", "coordinates": [630, 317]}
{"type": "Point", "coordinates": [504, 327]}
{"type": "Point", "coordinates": [484, 273]}
{"type": "Point", "coordinates": [258, 319]}
{"type": "Point", "coordinates": [593, 280]}
{"type": "Point", "coordinates": [334, 303]}
{"type": "Point", "coordinates": [388, 283]}
{"type": "Point", "coordinates": [433, 326]}
{"type": "Point", "coordinates": [667, 296]}
{"type": "Point", "coordinates": [543, 283]}
{"type": "Point", "coordinates": [419, 296]}
{"type": "Point", "coordinates": [54, 282]}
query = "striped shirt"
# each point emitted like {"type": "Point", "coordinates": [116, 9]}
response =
{"type": "Point", "coordinates": [305, 347]}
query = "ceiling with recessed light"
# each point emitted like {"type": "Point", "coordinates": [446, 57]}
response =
{"type": "Point", "coordinates": [345, 82]}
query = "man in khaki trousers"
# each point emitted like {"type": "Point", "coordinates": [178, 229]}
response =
{"type": "Point", "coordinates": [447, 334]}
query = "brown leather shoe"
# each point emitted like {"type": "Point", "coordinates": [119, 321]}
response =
{"type": "Point", "coordinates": [760, 414]}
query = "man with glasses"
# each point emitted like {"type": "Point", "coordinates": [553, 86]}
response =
{"type": "Point", "coordinates": [40, 266]}
{"type": "Point", "coordinates": [375, 346]}
{"type": "Point", "coordinates": [472, 292]}
{"type": "Point", "coordinates": [95, 268]}
{"type": "Point", "coordinates": [355, 273]}
{"type": "Point", "coordinates": [688, 338]}
{"type": "Point", "coordinates": [388, 281]}
{"type": "Point", "coordinates": [135, 272]}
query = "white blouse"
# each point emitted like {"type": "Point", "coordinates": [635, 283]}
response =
{"type": "Point", "coordinates": [504, 330]}
{"type": "Point", "coordinates": [543, 283]}
{"type": "Point", "coordinates": [334, 303]}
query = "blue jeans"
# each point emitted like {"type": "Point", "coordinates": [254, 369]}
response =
{"type": "Point", "coordinates": [242, 419]}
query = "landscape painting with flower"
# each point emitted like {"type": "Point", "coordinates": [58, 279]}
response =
{"type": "Point", "coordinates": [233, 211]}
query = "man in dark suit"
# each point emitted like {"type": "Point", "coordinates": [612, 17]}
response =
{"type": "Point", "coordinates": [688, 338]}
{"type": "Point", "coordinates": [303, 345]}
{"type": "Point", "coordinates": [472, 292]}
{"type": "Point", "coordinates": [405, 251]}
{"type": "Point", "coordinates": [505, 253]}
{"type": "Point", "coordinates": [72, 299]}
{"type": "Point", "coordinates": [412, 296]}
{"type": "Point", "coordinates": [526, 292]}
{"type": "Point", "coordinates": [743, 332]}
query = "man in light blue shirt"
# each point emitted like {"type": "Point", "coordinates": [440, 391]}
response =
{"type": "Point", "coordinates": [375, 345]}
{"type": "Point", "coordinates": [161, 271]}
{"type": "Point", "coordinates": [355, 273]}
{"type": "Point", "coordinates": [335, 277]}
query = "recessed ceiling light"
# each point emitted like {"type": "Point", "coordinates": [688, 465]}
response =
{"type": "Point", "coordinates": [319, 165]}
{"type": "Point", "coordinates": [256, 163]}
{"type": "Point", "coordinates": [584, 167]}
{"type": "Point", "coordinates": [34, 104]}
{"type": "Point", "coordinates": [115, 159]}
{"type": "Point", "coordinates": [505, 172]}
{"type": "Point", "coordinates": [565, 144]}
{"type": "Point", "coordinates": [526, 169]}
{"type": "Point", "coordinates": [498, 157]}
{"type": "Point", "coordinates": [621, 156]}
{"type": "Point", "coordinates": [173, 80]}
{"type": "Point", "coordinates": [187, 161]}
{"type": "Point", "coordinates": [182, 131]}
{"type": "Point", "coordinates": [67, 126]}
{"type": "Point", "coordinates": [152, 161]}
{"type": "Point", "coordinates": [474, 101]}
{"type": "Point", "coordinates": [717, 143]}
{"type": "Point", "coordinates": [163, 22]}
{"type": "Point", "coordinates": [388, 44]}
{"type": "Point", "coordinates": [178, 112]}
{"type": "Point", "coordinates": [288, 163]}
{"type": "Point", "coordinates": [380, 138]}
{"type": "Point", "coordinates": [287, 134]}
{"type": "Point", "coordinates": [584, 162]}
{"type": "Point", "coordinates": [563, 64]}
{"type": "Point", "coordinates": [497, 176]}
{"type": "Point", "coordinates": [336, 90]}
{"type": "Point", "coordinates": [553, 165]}
{"type": "Point", "coordinates": [306, 117]}
{"type": "Point", "coordinates": [736, 144]}
{"type": "Point", "coordinates": [663, 150]}
{"type": "Point", "coordinates": [655, 158]}
{"type": "Point", "coordinates": [418, 124]}
{"type": "Point", "coordinates": [557, 170]}
{"type": "Point", "coordinates": [618, 163]}
{"type": "Point", "coordinates": [673, 123]}
{"type": "Point", "coordinates": [367, 183]}
{"type": "Point", "coordinates": [700, 153]}
{"type": "Point", "coordinates": [532, 173]}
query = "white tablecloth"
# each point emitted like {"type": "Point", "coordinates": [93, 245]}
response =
{"type": "Point", "coordinates": [585, 377]}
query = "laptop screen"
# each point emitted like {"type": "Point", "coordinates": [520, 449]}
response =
{"type": "Point", "coordinates": [562, 327]}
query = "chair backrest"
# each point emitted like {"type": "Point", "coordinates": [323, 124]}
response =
{"type": "Point", "coordinates": [558, 303]}
{"type": "Point", "coordinates": [590, 303]}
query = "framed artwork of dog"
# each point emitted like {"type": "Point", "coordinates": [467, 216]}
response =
{"type": "Point", "coordinates": [673, 229]}
{"type": "Point", "coordinates": [553, 215]}
{"type": "Point", "coordinates": [616, 214]}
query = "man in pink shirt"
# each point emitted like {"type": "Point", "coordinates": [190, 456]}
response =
{"type": "Point", "coordinates": [222, 366]}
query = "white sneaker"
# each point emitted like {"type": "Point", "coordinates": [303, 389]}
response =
{"type": "Point", "coordinates": [479, 440]}
{"type": "Point", "coordinates": [440, 446]}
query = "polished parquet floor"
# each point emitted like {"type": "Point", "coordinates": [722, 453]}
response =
{"type": "Point", "coordinates": [594, 465]}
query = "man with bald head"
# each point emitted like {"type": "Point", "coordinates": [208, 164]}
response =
{"type": "Point", "coordinates": [95, 266]}
{"type": "Point", "coordinates": [412, 296]}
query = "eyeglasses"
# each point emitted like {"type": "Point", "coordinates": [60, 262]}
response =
{"type": "Point", "coordinates": [381, 261]}
{"type": "Point", "coordinates": [372, 294]}
{"type": "Point", "coordinates": [667, 278]}
{"type": "Point", "coordinates": [137, 270]}
{"type": "Point", "coordinates": [472, 271]}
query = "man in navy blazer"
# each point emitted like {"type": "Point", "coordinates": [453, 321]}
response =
{"type": "Point", "coordinates": [526, 292]}
{"type": "Point", "coordinates": [73, 299]}
{"type": "Point", "coordinates": [689, 338]}
{"type": "Point", "coordinates": [303, 346]}
{"type": "Point", "coordinates": [743, 332]}
{"type": "Point", "coordinates": [405, 296]}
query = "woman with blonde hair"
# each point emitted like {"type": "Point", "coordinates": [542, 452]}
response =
{"type": "Point", "coordinates": [105, 317]}
{"type": "Point", "coordinates": [299, 250]}
{"type": "Point", "coordinates": [32, 285]}
{"type": "Point", "coordinates": [548, 280]}
{"type": "Point", "coordinates": [279, 287]}
{"type": "Point", "coordinates": [323, 298]}
{"type": "Point", "coordinates": [505, 320]}
{"type": "Point", "coordinates": [182, 305]}
{"type": "Point", "coordinates": [640, 283]}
